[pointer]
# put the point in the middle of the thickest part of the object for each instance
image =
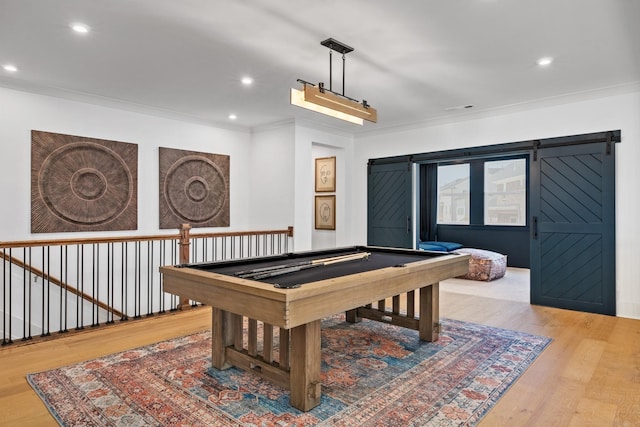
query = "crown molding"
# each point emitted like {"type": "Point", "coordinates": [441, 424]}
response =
{"type": "Point", "coordinates": [467, 115]}
{"type": "Point", "coordinates": [116, 104]}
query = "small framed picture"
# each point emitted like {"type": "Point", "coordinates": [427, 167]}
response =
{"type": "Point", "coordinates": [325, 174]}
{"type": "Point", "coordinates": [326, 212]}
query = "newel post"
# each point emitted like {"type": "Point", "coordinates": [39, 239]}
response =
{"type": "Point", "coordinates": [185, 242]}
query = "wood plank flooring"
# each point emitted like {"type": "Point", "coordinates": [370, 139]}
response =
{"type": "Point", "coordinates": [588, 376]}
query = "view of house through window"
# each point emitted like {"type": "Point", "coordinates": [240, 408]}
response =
{"type": "Point", "coordinates": [453, 194]}
{"type": "Point", "coordinates": [505, 192]}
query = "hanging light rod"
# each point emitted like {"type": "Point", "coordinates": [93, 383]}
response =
{"type": "Point", "coordinates": [322, 100]}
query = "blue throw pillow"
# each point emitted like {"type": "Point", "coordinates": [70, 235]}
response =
{"type": "Point", "coordinates": [450, 246]}
{"type": "Point", "coordinates": [430, 246]}
{"type": "Point", "coordinates": [439, 246]}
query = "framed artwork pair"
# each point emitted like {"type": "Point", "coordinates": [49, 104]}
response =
{"type": "Point", "coordinates": [87, 184]}
{"type": "Point", "coordinates": [325, 182]}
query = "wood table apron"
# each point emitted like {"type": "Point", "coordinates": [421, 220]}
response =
{"type": "Point", "coordinates": [298, 313]}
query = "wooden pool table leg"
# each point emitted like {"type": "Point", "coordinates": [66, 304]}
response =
{"type": "Point", "coordinates": [305, 366]}
{"type": "Point", "coordinates": [221, 337]}
{"type": "Point", "coordinates": [429, 323]}
{"type": "Point", "coordinates": [351, 316]}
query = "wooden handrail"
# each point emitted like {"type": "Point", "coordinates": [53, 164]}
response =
{"type": "Point", "coordinates": [94, 240]}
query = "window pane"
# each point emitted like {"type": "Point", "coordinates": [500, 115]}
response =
{"type": "Point", "coordinates": [453, 194]}
{"type": "Point", "coordinates": [505, 192]}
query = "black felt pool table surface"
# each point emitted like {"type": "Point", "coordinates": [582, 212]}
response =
{"type": "Point", "coordinates": [378, 258]}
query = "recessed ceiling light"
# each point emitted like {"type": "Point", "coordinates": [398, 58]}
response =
{"type": "Point", "coordinates": [247, 80]}
{"type": "Point", "coordinates": [10, 68]}
{"type": "Point", "coordinates": [232, 116]}
{"type": "Point", "coordinates": [79, 27]}
{"type": "Point", "coordinates": [543, 62]}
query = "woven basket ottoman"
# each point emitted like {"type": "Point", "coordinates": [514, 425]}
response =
{"type": "Point", "coordinates": [484, 265]}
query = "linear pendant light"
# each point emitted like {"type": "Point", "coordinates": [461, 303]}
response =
{"type": "Point", "coordinates": [322, 100]}
{"type": "Point", "coordinates": [298, 99]}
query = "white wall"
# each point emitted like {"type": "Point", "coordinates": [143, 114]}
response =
{"type": "Point", "coordinates": [310, 143]}
{"type": "Point", "coordinates": [282, 184]}
{"type": "Point", "coordinates": [20, 112]}
{"type": "Point", "coordinates": [620, 111]}
{"type": "Point", "coordinates": [271, 180]}
{"type": "Point", "coordinates": [322, 239]}
{"type": "Point", "coordinates": [273, 177]}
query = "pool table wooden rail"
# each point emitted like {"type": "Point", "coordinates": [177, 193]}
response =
{"type": "Point", "coordinates": [288, 308]}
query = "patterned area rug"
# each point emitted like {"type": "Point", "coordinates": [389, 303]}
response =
{"type": "Point", "coordinates": [373, 374]}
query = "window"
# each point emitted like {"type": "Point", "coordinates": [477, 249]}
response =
{"type": "Point", "coordinates": [453, 194]}
{"type": "Point", "coordinates": [505, 192]}
{"type": "Point", "coordinates": [482, 192]}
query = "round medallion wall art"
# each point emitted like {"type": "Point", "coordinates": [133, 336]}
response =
{"type": "Point", "coordinates": [194, 189]}
{"type": "Point", "coordinates": [82, 184]}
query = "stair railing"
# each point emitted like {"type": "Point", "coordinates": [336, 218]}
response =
{"type": "Point", "coordinates": [54, 286]}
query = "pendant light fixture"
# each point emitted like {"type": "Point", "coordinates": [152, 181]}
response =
{"type": "Point", "coordinates": [322, 100]}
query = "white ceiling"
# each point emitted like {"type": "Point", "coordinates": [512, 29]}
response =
{"type": "Point", "coordinates": [413, 59]}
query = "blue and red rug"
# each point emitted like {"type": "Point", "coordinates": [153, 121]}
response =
{"type": "Point", "coordinates": [373, 374]}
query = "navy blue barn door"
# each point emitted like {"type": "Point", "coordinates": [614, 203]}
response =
{"type": "Point", "coordinates": [573, 227]}
{"type": "Point", "coordinates": [389, 192]}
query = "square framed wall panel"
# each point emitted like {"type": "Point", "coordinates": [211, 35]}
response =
{"type": "Point", "coordinates": [82, 184]}
{"type": "Point", "coordinates": [194, 189]}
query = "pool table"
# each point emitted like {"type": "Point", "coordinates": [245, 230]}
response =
{"type": "Point", "coordinates": [284, 297]}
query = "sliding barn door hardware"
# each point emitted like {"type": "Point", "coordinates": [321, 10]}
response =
{"type": "Point", "coordinates": [536, 145]}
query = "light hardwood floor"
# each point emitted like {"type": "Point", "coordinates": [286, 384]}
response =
{"type": "Point", "coordinates": [588, 376]}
